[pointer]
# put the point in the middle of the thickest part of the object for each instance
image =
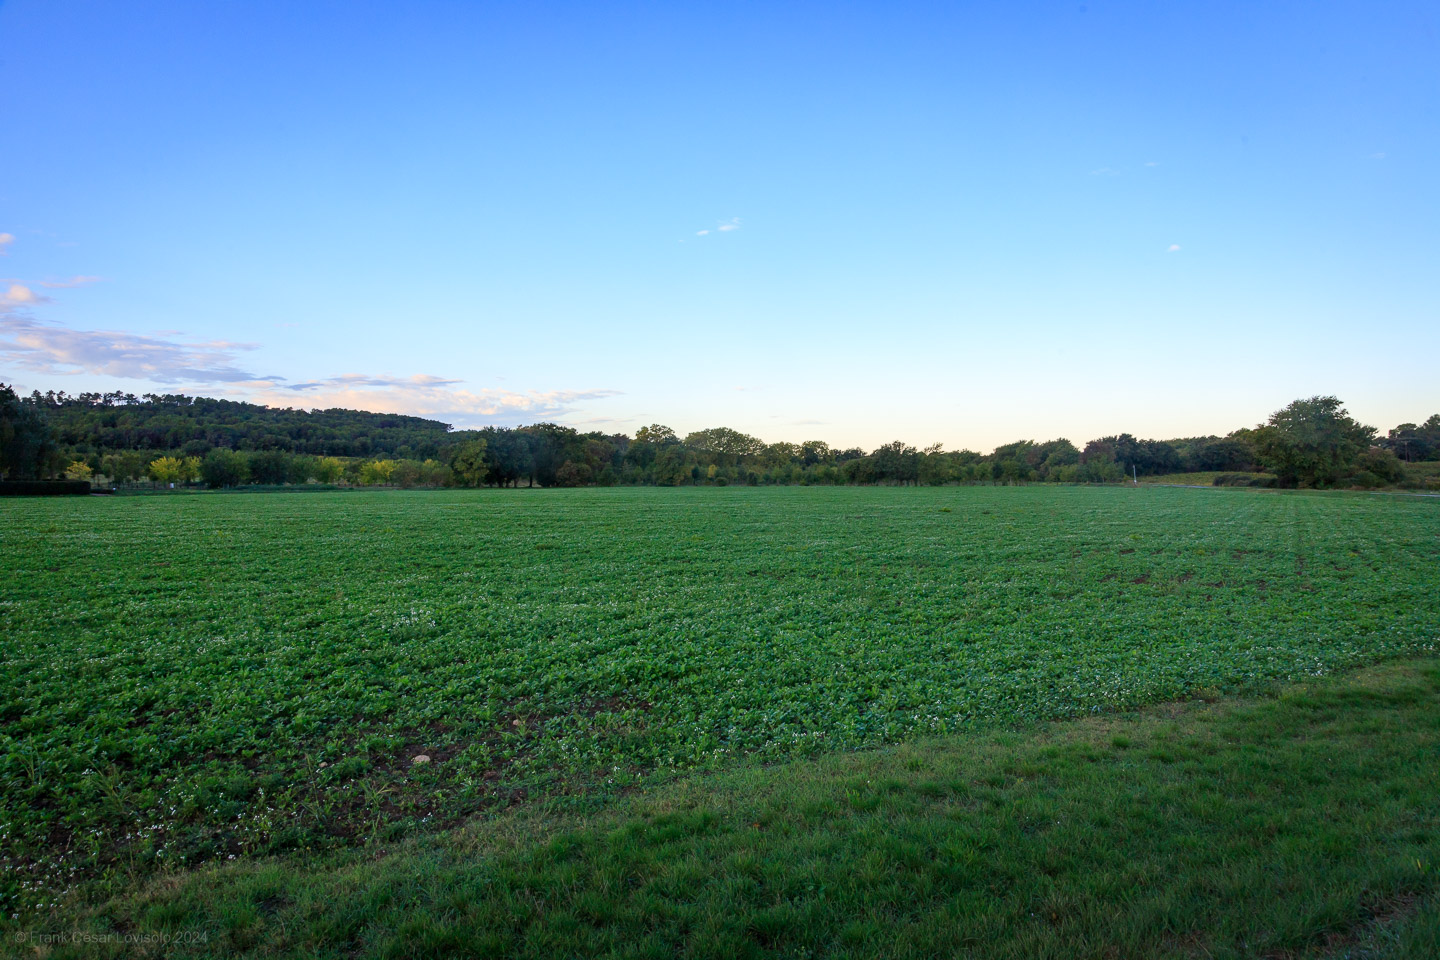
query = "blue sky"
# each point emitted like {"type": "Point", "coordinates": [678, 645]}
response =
{"type": "Point", "coordinates": [958, 223]}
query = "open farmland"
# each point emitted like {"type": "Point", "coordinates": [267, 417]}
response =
{"type": "Point", "coordinates": [193, 678]}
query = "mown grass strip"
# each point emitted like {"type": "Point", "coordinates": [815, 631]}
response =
{"type": "Point", "coordinates": [1301, 825]}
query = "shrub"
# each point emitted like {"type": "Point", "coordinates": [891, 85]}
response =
{"type": "Point", "coordinates": [1365, 480]}
{"type": "Point", "coordinates": [43, 488]}
{"type": "Point", "coordinates": [1382, 464]}
{"type": "Point", "coordinates": [572, 474]}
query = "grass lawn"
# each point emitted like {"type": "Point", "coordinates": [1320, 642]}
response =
{"type": "Point", "coordinates": [1302, 825]}
{"type": "Point", "coordinates": [218, 679]}
{"type": "Point", "coordinates": [1202, 478]}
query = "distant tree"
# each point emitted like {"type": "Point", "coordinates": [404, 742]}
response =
{"type": "Point", "coordinates": [1413, 442]}
{"type": "Point", "coordinates": [26, 440]}
{"type": "Point", "coordinates": [730, 446]}
{"type": "Point", "coordinates": [270, 467]}
{"type": "Point", "coordinates": [550, 445]}
{"type": "Point", "coordinates": [1055, 454]}
{"type": "Point", "coordinates": [376, 473]}
{"type": "Point", "coordinates": [572, 474]}
{"type": "Point", "coordinates": [78, 470]}
{"type": "Point", "coordinates": [435, 474]}
{"type": "Point", "coordinates": [1381, 464]}
{"type": "Point", "coordinates": [167, 470]}
{"type": "Point", "coordinates": [656, 433]}
{"type": "Point", "coordinates": [1312, 443]}
{"type": "Point", "coordinates": [670, 467]}
{"type": "Point", "coordinates": [124, 467]}
{"type": "Point", "coordinates": [1142, 457]}
{"type": "Point", "coordinates": [224, 468]}
{"type": "Point", "coordinates": [1232, 453]}
{"type": "Point", "coordinates": [300, 468]}
{"type": "Point", "coordinates": [328, 469]}
{"type": "Point", "coordinates": [507, 455]}
{"type": "Point", "coordinates": [407, 473]}
{"type": "Point", "coordinates": [815, 452]}
{"type": "Point", "coordinates": [776, 455]}
{"type": "Point", "coordinates": [467, 463]}
{"type": "Point", "coordinates": [896, 462]}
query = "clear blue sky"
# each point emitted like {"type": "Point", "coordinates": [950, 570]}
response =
{"type": "Point", "coordinates": [958, 222]}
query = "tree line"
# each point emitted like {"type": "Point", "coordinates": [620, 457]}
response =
{"type": "Point", "coordinates": [221, 443]}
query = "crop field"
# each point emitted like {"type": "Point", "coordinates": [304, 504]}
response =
{"type": "Point", "coordinates": [206, 677]}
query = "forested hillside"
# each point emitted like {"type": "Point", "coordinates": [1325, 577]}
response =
{"type": "Point", "coordinates": [193, 426]}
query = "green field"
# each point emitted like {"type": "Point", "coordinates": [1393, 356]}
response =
{"type": "Point", "coordinates": [199, 678]}
{"type": "Point", "coordinates": [1299, 825]}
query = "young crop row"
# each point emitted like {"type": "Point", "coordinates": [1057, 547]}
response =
{"type": "Point", "coordinates": [208, 677]}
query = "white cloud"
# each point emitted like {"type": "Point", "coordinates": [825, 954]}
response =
{"type": "Point", "coordinates": [20, 295]}
{"type": "Point", "coordinates": [1377, 156]}
{"type": "Point", "coordinates": [5, 240]}
{"type": "Point", "coordinates": [56, 350]}
{"type": "Point", "coordinates": [1173, 248]}
{"type": "Point", "coordinates": [430, 396]}
{"type": "Point", "coordinates": [1151, 163]}
{"type": "Point", "coordinates": [211, 368]}
{"type": "Point", "coordinates": [67, 284]}
{"type": "Point", "coordinates": [725, 226]}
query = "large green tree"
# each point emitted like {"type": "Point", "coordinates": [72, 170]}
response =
{"type": "Point", "coordinates": [1312, 443]}
{"type": "Point", "coordinates": [550, 446]}
{"type": "Point", "coordinates": [26, 441]}
{"type": "Point", "coordinates": [729, 446]}
{"type": "Point", "coordinates": [507, 455]}
{"type": "Point", "coordinates": [467, 463]}
{"type": "Point", "coordinates": [224, 468]}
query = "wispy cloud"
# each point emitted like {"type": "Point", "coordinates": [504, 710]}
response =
{"type": "Point", "coordinates": [5, 240]}
{"type": "Point", "coordinates": [431, 396]}
{"type": "Point", "coordinates": [725, 226]}
{"type": "Point", "coordinates": [1377, 156]}
{"type": "Point", "coordinates": [20, 295]}
{"type": "Point", "coordinates": [56, 350]}
{"type": "Point", "coordinates": [213, 367]}
{"type": "Point", "coordinates": [68, 284]}
{"type": "Point", "coordinates": [361, 381]}
{"type": "Point", "coordinates": [1173, 248]}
